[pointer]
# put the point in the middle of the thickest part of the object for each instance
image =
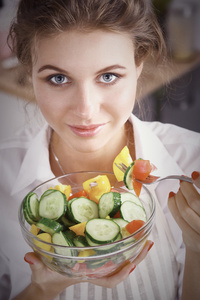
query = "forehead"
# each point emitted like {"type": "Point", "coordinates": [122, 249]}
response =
{"type": "Point", "coordinates": [76, 46]}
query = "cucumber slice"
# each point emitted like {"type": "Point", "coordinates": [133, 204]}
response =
{"type": "Point", "coordinates": [121, 222]}
{"type": "Point", "coordinates": [130, 197]}
{"type": "Point", "coordinates": [131, 211]}
{"type": "Point", "coordinates": [30, 208]}
{"type": "Point", "coordinates": [101, 231]}
{"type": "Point", "coordinates": [27, 217]}
{"type": "Point", "coordinates": [80, 241]}
{"type": "Point", "coordinates": [49, 226]}
{"type": "Point", "coordinates": [47, 192]}
{"type": "Point", "coordinates": [33, 206]}
{"type": "Point", "coordinates": [82, 209]}
{"type": "Point", "coordinates": [66, 222]}
{"type": "Point", "coordinates": [69, 234]}
{"type": "Point", "coordinates": [69, 215]}
{"type": "Point", "coordinates": [107, 248]}
{"type": "Point", "coordinates": [128, 177]}
{"type": "Point", "coordinates": [52, 205]}
{"type": "Point", "coordinates": [109, 204]}
{"type": "Point", "coordinates": [62, 240]}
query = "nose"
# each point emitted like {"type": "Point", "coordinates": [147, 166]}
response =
{"type": "Point", "coordinates": [86, 102]}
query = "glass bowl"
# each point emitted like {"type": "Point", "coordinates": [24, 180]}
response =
{"type": "Point", "coordinates": [106, 259]}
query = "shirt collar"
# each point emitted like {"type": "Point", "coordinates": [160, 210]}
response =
{"type": "Point", "coordinates": [35, 165]}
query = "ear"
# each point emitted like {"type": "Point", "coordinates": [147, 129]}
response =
{"type": "Point", "coordinates": [139, 69]}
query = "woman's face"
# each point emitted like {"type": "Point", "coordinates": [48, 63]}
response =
{"type": "Point", "coordinates": [85, 86]}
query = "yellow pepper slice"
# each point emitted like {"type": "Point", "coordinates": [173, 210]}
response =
{"type": "Point", "coordinates": [46, 237]}
{"type": "Point", "coordinates": [79, 228]}
{"type": "Point", "coordinates": [34, 229]}
{"type": "Point", "coordinates": [97, 186]}
{"type": "Point", "coordinates": [85, 253]}
{"type": "Point", "coordinates": [123, 157]}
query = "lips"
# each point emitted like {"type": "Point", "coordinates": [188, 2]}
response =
{"type": "Point", "coordinates": [86, 131]}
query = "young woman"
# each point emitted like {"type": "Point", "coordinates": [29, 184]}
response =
{"type": "Point", "coordinates": [85, 58]}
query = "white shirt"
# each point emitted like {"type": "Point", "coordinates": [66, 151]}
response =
{"type": "Point", "coordinates": [24, 163]}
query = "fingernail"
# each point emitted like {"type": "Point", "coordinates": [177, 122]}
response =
{"type": "Point", "coordinates": [132, 269]}
{"type": "Point", "coordinates": [182, 176]}
{"type": "Point", "coordinates": [28, 261]}
{"type": "Point", "coordinates": [171, 194]}
{"type": "Point", "coordinates": [195, 175]}
{"type": "Point", "coordinates": [150, 246]}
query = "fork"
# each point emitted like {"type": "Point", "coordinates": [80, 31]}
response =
{"type": "Point", "coordinates": [153, 179]}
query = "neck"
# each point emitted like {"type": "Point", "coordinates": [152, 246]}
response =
{"type": "Point", "coordinates": [71, 160]}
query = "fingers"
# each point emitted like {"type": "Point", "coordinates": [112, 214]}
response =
{"type": "Point", "coordinates": [190, 194]}
{"type": "Point", "coordinates": [196, 178]}
{"type": "Point", "coordinates": [113, 280]}
{"type": "Point", "coordinates": [39, 269]}
{"type": "Point", "coordinates": [183, 213]}
{"type": "Point", "coordinates": [185, 208]}
{"type": "Point", "coordinates": [148, 245]}
{"type": "Point", "coordinates": [40, 273]}
{"type": "Point", "coordinates": [34, 262]}
{"type": "Point", "coordinates": [121, 275]}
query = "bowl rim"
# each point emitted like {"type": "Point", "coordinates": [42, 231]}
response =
{"type": "Point", "coordinates": [32, 236]}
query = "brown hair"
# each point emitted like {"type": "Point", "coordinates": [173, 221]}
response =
{"type": "Point", "coordinates": [41, 18]}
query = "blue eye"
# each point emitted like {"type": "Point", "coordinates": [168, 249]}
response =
{"type": "Point", "coordinates": [108, 78]}
{"type": "Point", "coordinates": [58, 79]}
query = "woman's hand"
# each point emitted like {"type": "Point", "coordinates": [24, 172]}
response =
{"type": "Point", "coordinates": [185, 208]}
{"type": "Point", "coordinates": [48, 284]}
{"type": "Point", "coordinates": [113, 280]}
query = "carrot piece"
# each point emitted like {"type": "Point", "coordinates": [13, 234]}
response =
{"type": "Point", "coordinates": [133, 226]}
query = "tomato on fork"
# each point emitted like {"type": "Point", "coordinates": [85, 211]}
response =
{"type": "Point", "coordinates": [141, 170]}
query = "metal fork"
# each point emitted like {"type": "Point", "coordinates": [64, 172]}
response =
{"type": "Point", "coordinates": [153, 179]}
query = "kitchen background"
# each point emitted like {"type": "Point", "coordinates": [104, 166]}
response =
{"type": "Point", "coordinates": [178, 102]}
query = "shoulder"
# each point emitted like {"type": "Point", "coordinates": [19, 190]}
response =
{"type": "Point", "coordinates": [168, 134]}
{"type": "Point", "coordinates": [172, 134]}
{"type": "Point", "coordinates": [182, 144]}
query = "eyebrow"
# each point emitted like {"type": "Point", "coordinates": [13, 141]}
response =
{"type": "Point", "coordinates": [51, 67]}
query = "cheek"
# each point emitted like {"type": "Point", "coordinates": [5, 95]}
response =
{"type": "Point", "coordinates": [48, 108]}
{"type": "Point", "coordinates": [47, 101]}
{"type": "Point", "coordinates": [124, 99]}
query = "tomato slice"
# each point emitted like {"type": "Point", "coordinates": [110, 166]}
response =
{"type": "Point", "coordinates": [137, 186]}
{"type": "Point", "coordinates": [133, 226]}
{"type": "Point", "coordinates": [82, 193]}
{"type": "Point", "coordinates": [141, 169]}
